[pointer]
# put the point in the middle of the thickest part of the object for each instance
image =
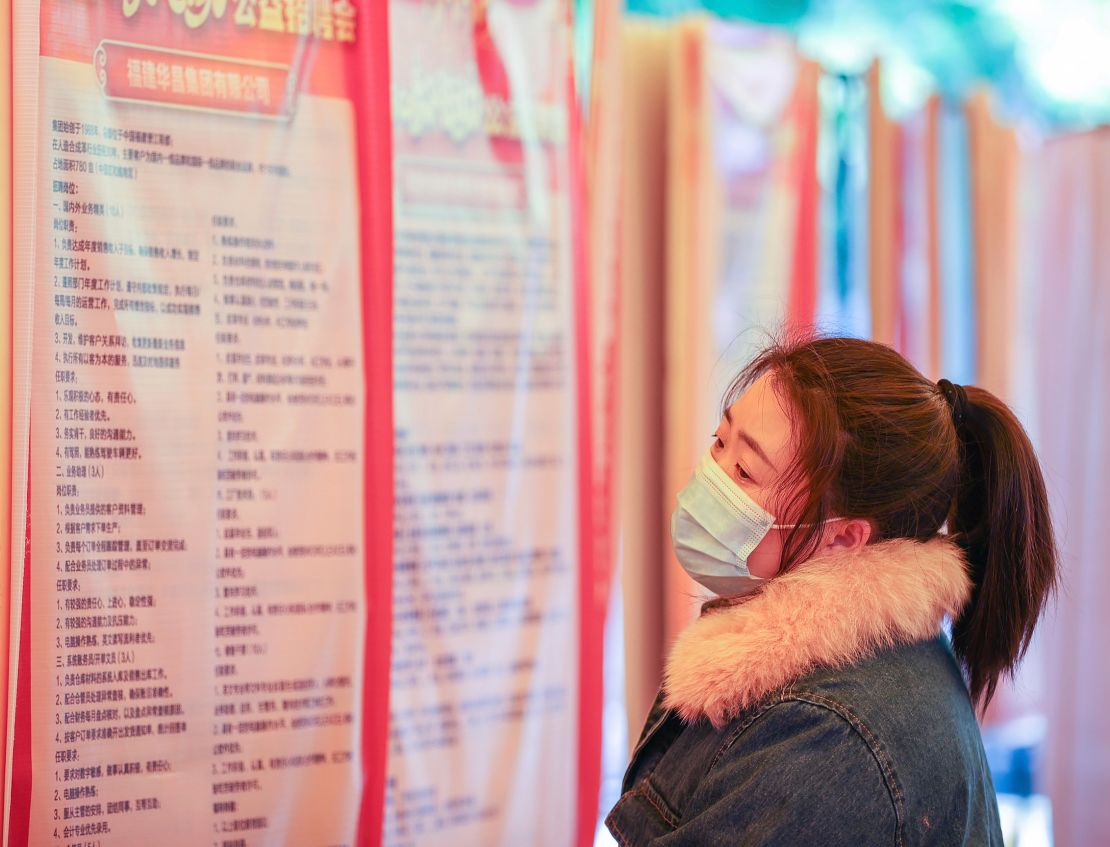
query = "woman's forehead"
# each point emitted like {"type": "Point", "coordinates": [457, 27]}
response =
{"type": "Point", "coordinates": [759, 414]}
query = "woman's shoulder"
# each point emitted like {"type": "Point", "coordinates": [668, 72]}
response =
{"type": "Point", "coordinates": [897, 700]}
{"type": "Point", "coordinates": [917, 684]}
{"type": "Point", "coordinates": [884, 731]}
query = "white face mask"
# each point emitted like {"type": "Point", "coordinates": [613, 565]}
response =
{"type": "Point", "coordinates": [715, 527]}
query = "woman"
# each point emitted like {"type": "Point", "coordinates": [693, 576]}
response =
{"type": "Point", "coordinates": [846, 508]}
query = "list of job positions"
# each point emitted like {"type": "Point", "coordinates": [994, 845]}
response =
{"type": "Point", "coordinates": [197, 590]}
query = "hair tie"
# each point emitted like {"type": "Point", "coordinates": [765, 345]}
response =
{"type": "Point", "coordinates": [956, 398]}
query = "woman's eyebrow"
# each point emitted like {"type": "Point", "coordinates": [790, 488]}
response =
{"type": "Point", "coordinates": [751, 442]}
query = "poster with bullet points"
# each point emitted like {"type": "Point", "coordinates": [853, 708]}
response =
{"type": "Point", "coordinates": [205, 313]}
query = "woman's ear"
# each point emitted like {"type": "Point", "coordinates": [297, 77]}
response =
{"type": "Point", "coordinates": [847, 534]}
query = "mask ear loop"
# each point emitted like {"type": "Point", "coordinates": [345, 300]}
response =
{"type": "Point", "coordinates": [792, 525]}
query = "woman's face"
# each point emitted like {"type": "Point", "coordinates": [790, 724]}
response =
{"type": "Point", "coordinates": [753, 445]}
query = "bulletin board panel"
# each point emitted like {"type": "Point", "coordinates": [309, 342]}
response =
{"type": "Point", "coordinates": [205, 368]}
{"type": "Point", "coordinates": [496, 636]}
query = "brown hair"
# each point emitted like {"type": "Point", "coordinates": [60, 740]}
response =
{"type": "Point", "coordinates": [875, 439]}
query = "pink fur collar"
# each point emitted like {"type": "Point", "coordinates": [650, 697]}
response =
{"type": "Point", "coordinates": [830, 611]}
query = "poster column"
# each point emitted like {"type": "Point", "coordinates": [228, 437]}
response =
{"type": "Point", "coordinates": [490, 470]}
{"type": "Point", "coordinates": [197, 576]}
{"type": "Point", "coordinates": [599, 252]}
{"type": "Point", "coordinates": [645, 48]}
{"type": "Point", "coordinates": [738, 94]}
{"type": "Point", "coordinates": [885, 139]}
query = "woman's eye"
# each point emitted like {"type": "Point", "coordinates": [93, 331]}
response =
{"type": "Point", "coordinates": [743, 474]}
{"type": "Point", "coordinates": [717, 441]}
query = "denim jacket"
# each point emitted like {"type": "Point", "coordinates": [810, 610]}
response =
{"type": "Point", "coordinates": [827, 709]}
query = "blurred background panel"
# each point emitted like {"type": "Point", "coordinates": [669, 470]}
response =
{"type": "Point", "coordinates": [932, 175]}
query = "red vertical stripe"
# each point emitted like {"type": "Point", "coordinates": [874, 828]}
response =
{"type": "Point", "coordinates": [803, 285]}
{"type": "Point", "coordinates": [591, 585]}
{"type": "Point", "coordinates": [897, 264]}
{"type": "Point", "coordinates": [369, 89]}
{"type": "Point", "coordinates": [19, 826]}
{"type": "Point", "coordinates": [932, 224]}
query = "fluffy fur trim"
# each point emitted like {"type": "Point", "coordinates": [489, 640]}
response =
{"type": "Point", "coordinates": [831, 611]}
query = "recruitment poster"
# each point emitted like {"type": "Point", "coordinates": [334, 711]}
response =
{"type": "Point", "coordinates": [492, 489]}
{"type": "Point", "coordinates": [205, 309]}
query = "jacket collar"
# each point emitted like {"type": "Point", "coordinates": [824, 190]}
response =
{"type": "Point", "coordinates": [830, 611]}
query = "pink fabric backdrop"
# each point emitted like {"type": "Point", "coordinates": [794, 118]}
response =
{"type": "Point", "coordinates": [1063, 353]}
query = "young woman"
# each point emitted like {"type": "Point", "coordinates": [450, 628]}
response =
{"type": "Point", "coordinates": [846, 508]}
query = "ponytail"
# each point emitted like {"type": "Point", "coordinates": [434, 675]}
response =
{"type": "Point", "coordinates": [1000, 517]}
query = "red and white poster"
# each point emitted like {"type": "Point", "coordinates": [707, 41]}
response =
{"type": "Point", "coordinates": [204, 367]}
{"type": "Point", "coordinates": [492, 464]}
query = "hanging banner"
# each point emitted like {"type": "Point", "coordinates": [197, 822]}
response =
{"type": "Point", "coordinates": [602, 161]}
{"type": "Point", "coordinates": [993, 165]}
{"type": "Point", "coordinates": [1058, 380]}
{"type": "Point", "coordinates": [645, 49]}
{"type": "Point", "coordinates": [843, 304]}
{"type": "Point", "coordinates": [915, 301]}
{"type": "Point", "coordinates": [885, 139]}
{"type": "Point", "coordinates": [492, 555]}
{"type": "Point", "coordinates": [206, 306]}
{"type": "Point", "coordinates": [740, 104]}
{"type": "Point", "coordinates": [805, 117]}
{"type": "Point", "coordinates": [956, 248]}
